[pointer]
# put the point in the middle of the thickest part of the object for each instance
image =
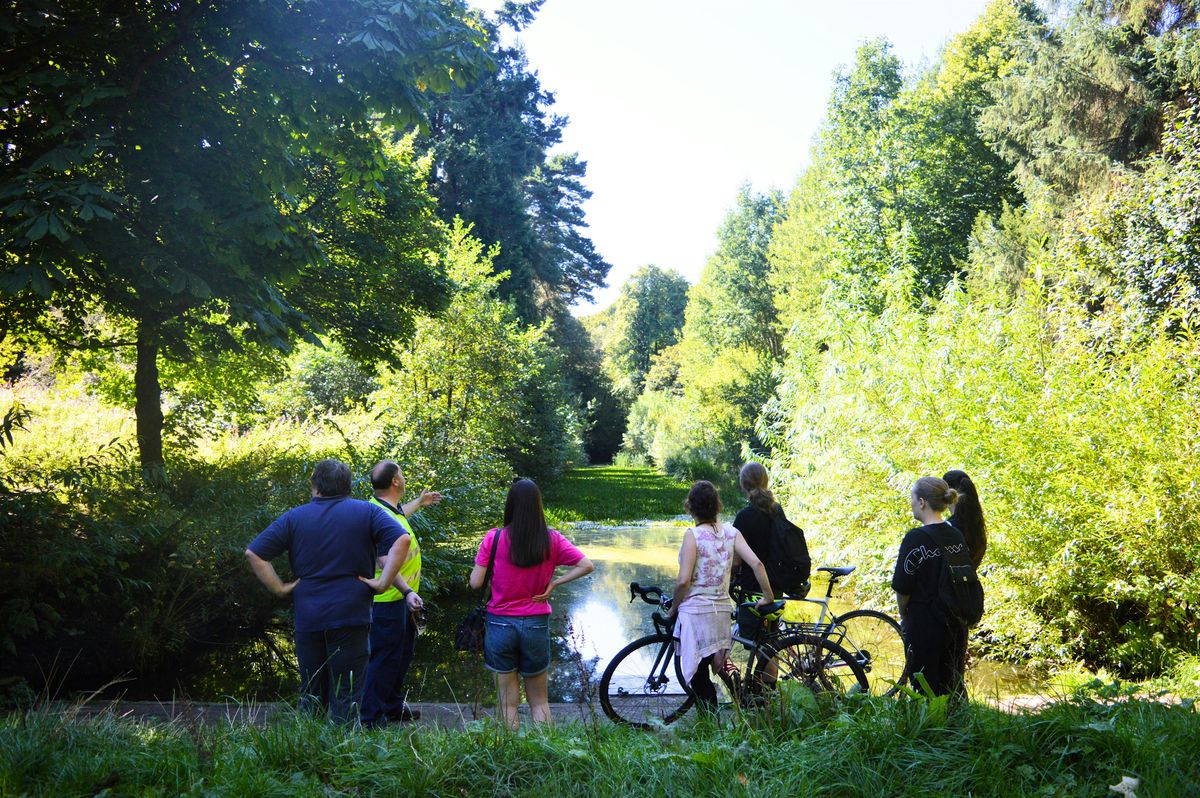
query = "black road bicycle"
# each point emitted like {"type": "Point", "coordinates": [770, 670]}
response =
{"type": "Point", "coordinates": [643, 685]}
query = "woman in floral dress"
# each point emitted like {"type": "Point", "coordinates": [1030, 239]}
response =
{"type": "Point", "coordinates": [701, 608]}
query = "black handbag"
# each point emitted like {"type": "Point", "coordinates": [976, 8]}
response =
{"type": "Point", "coordinates": [469, 636]}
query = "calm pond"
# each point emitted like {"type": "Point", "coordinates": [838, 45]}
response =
{"type": "Point", "coordinates": [593, 619]}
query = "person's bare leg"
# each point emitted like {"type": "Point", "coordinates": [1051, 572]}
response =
{"type": "Point", "coordinates": [538, 694]}
{"type": "Point", "coordinates": [509, 691]}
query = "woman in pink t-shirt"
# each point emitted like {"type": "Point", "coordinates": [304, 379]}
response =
{"type": "Point", "coordinates": [518, 635]}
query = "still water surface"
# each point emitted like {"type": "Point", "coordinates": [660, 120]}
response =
{"type": "Point", "coordinates": [593, 619]}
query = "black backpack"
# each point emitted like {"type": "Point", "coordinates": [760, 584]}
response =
{"type": "Point", "coordinates": [787, 561]}
{"type": "Point", "coordinates": [960, 596]}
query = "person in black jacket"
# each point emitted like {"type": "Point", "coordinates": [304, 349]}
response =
{"type": "Point", "coordinates": [934, 644]}
{"type": "Point", "coordinates": [755, 521]}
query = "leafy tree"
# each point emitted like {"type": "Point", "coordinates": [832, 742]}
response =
{"type": "Point", "coordinates": [1071, 422]}
{"type": "Point", "coordinates": [491, 143]}
{"type": "Point", "coordinates": [801, 255]}
{"type": "Point", "coordinates": [472, 381]}
{"type": "Point", "coordinates": [909, 170]}
{"type": "Point", "coordinates": [1089, 91]}
{"type": "Point", "coordinates": [703, 395]}
{"type": "Point", "coordinates": [646, 318]}
{"type": "Point", "coordinates": [580, 365]}
{"type": "Point", "coordinates": [732, 304]}
{"type": "Point", "coordinates": [172, 168]}
{"type": "Point", "coordinates": [1143, 240]}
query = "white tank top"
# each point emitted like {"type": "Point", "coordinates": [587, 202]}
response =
{"type": "Point", "coordinates": [714, 561]}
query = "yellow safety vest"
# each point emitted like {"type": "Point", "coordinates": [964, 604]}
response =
{"type": "Point", "coordinates": [410, 569]}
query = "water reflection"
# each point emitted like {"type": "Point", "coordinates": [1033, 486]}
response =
{"type": "Point", "coordinates": [592, 620]}
{"type": "Point", "coordinates": [592, 617]}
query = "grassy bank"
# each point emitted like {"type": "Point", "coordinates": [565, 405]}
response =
{"type": "Point", "coordinates": [612, 495]}
{"type": "Point", "coordinates": [871, 748]}
{"type": "Point", "coordinates": [615, 495]}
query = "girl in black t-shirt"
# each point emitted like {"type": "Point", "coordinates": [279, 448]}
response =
{"type": "Point", "coordinates": [935, 646]}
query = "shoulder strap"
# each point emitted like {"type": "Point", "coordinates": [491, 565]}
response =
{"type": "Point", "coordinates": [942, 538]}
{"type": "Point", "coordinates": [487, 577]}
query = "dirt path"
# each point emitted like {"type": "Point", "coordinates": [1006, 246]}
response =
{"type": "Point", "coordinates": [450, 716]}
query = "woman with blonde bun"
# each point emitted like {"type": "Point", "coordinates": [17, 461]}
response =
{"type": "Point", "coordinates": [935, 645]}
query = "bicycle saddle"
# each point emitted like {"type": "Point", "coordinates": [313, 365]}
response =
{"type": "Point", "coordinates": [842, 570]}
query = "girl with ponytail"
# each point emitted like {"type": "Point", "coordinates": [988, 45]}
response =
{"type": "Point", "coordinates": [935, 645]}
{"type": "Point", "coordinates": [968, 514]}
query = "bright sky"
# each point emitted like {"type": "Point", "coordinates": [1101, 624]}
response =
{"type": "Point", "coordinates": [675, 104]}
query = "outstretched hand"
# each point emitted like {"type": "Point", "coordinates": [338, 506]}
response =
{"type": "Point", "coordinates": [429, 497]}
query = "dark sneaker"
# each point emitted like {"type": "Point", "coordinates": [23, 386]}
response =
{"type": "Point", "coordinates": [406, 714]}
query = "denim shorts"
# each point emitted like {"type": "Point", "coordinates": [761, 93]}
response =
{"type": "Point", "coordinates": [517, 643]}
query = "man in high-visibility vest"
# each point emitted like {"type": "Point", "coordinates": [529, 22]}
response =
{"type": "Point", "coordinates": [393, 633]}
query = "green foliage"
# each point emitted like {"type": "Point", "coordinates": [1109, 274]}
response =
{"type": "Point", "coordinates": [695, 417]}
{"type": "Point", "coordinates": [613, 495]}
{"type": "Point", "coordinates": [903, 172]}
{"type": "Point", "coordinates": [102, 579]}
{"type": "Point", "coordinates": [475, 383]}
{"type": "Point", "coordinates": [187, 175]}
{"type": "Point", "coordinates": [645, 319]}
{"type": "Point", "coordinates": [320, 380]}
{"type": "Point", "coordinates": [1076, 429]}
{"type": "Point", "coordinates": [1073, 748]}
{"type": "Point", "coordinates": [491, 142]}
{"type": "Point", "coordinates": [601, 412]}
{"type": "Point", "coordinates": [1088, 91]}
{"type": "Point", "coordinates": [1144, 237]}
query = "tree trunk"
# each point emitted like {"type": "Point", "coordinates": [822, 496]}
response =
{"type": "Point", "coordinates": [147, 408]}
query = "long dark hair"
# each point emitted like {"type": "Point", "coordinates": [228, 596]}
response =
{"type": "Point", "coordinates": [968, 514]}
{"type": "Point", "coordinates": [525, 520]}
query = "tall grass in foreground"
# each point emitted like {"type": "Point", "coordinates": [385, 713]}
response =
{"type": "Point", "coordinates": [866, 747]}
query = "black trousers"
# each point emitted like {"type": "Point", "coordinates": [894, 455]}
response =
{"type": "Point", "coordinates": [937, 649]}
{"type": "Point", "coordinates": [393, 639]}
{"type": "Point", "coordinates": [333, 665]}
{"type": "Point", "coordinates": [702, 685]}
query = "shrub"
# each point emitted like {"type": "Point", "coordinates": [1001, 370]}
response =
{"type": "Point", "coordinates": [1078, 430]}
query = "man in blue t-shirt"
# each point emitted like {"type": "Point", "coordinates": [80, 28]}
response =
{"type": "Point", "coordinates": [331, 544]}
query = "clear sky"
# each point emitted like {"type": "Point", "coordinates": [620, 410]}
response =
{"type": "Point", "coordinates": [675, 104]}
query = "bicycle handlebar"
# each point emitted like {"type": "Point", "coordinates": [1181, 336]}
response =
{"type": "Point", "coordinates": [649, 594]}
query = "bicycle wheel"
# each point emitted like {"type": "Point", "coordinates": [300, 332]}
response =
{"type": "Point", "coordinates": [874, 638]}
{"type": "Point", "coordinates": [809, 660]}
{"type": "Point", "coordinates": [641, 685]}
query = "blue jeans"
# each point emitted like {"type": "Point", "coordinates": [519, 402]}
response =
{"type": "Point", "coordinates": [393, 638]}
{"type": "Point", "coordinates": [333, 664]}
{"type": "Point", "coordinates": [517, 643]}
